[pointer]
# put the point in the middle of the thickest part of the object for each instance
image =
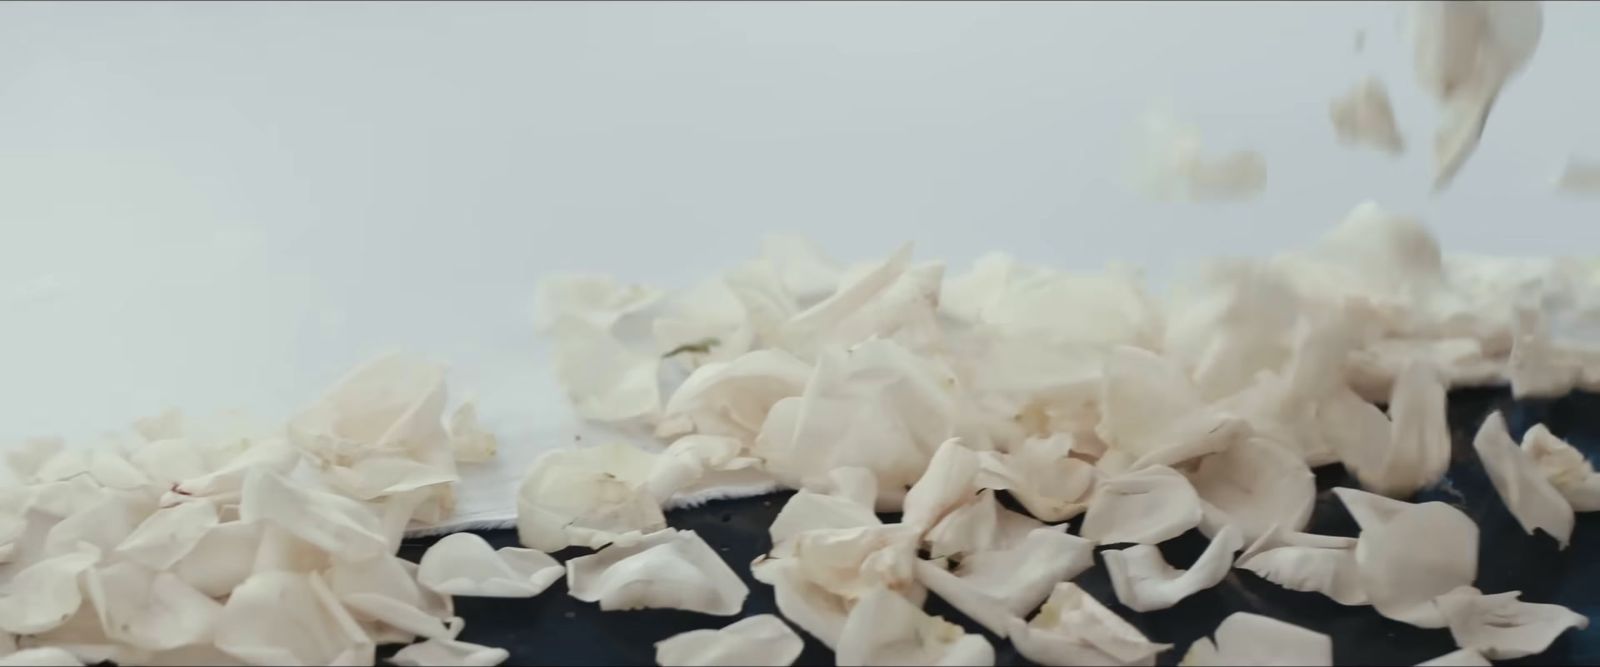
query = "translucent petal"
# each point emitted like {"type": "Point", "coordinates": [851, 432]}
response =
{"type": "Point", "coordinates": [464, 564]}
{"type": "Point", "coordinates": [668, 569]}
{"type": "Point", "coordinates": [760, 640]}
{"type": "Point", "coordinates": [1524, 488]}
{"type": "Point", "coordinates": [886, 629]}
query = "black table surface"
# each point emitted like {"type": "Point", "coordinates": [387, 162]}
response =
{"type": "Point", "coordinates": [556, 629]}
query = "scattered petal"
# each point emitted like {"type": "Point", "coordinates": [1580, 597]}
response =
{"type": "Point", "coordinates": [1244, 638]}
{"type": "Point", "coordinates": [1254, 485]}
{"type": "Point", "coordinates": [1420, 553]}
{"type": "Point", "coordinates": [668, 569]}
{"type": "Point", "coordinates": [1459, 658]}
{"type": "Point", "coordinates": [886, 629]}
{"type": "Point", "coordinates": [287, 618]}
{"type": "Point", "coordinates": [449, 653]}
{"type": "Point", "coordinates": [1073, 628]}
{"type": "Point", "coordinates": [464, 564]}
{"type": "Point", "coordinates": [1521, 484]}
{"type": "Point", "coordinates": [762, 640]}
{"type": "Point", "coordinates": [1146, 506]}
{"type": "Point", "coordinates": [1310, 563]}
{"type": "Point", "coordinates": [1143, 581]}
{"type": "Point", "coordinates": [991, 587]}
{"type": "Point", "coordinates": [586, 497]}
{"type": "Point", "coordinates": [1501, 627]}
{"type": "Point", "coordinates": [472, 444]}
{"type": "Point", "coordinates": [1565, 467]}
{"type": "Point", "coordinates": [1363, 116]}
{"type": "Point", "coordinates": [41, 657]}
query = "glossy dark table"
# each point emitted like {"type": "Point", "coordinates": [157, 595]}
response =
{"type": "Point", "coordinates": [555, 629]}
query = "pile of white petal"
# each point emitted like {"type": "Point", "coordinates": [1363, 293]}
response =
{"type": "Point", "coordinates": [221, 543]}
{"type": "Point", "coordinates": [881, 388]}
{"type": "Point", "coordinates": [887, 387]}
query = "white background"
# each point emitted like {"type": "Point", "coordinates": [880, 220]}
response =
{"type": "Point", "coordinates": [217, 205]}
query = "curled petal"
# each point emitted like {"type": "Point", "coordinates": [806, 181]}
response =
{"type": "Point", "coordinates": [385, 590]}
{"type": "Point", "coordinates": [1143, 581]}
{"type": "Point", "coordinates": [992, 587]}
{"type": "Point", "coordinates": [1501, 627]}
{"type": "Point", "coordinates": [1565, 467]}
{"type": "Point", "coordinates": [1524, 488]}
{"type": "Point", "coordinates": [733, 398]}
{"type": "Point", "coordinates": [980, 525]}
{"type": "Point", "coordinates": [1423, 552]}
{"type": "Point", "coordinates": [668, 569]}
{"type": "Point", "coordinates": [808, 511]}
{"type": "Point", "coordinates": [464, 564]}
{"type": "Point", "coordinates": [1073, 628]}
{"type": "Point", "coordinates": [1311, 563]}
{"type": "Point", "coordinates": [762, 640]}
{"type": "Point", "coordinates": [221, 559]}
{"type": "Point", "coordinates": [886, 629]}
{"type": "Point", "coordinates": [1042, 476]}
{"type": "Point", "coordinates": [804, 603]}
{"type": "Point", "coordinates": [1254, 485]}
{"type": "Point", "coordinates": [586, 497]}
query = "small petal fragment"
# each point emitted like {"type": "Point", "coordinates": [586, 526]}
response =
{"type": "Point", "coordinates": [762, 640]}
{"type": "Point", "coordinates": [1363, 116]}
{"type": "Point", "coordinates": [992, 587]}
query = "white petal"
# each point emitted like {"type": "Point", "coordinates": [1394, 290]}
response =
{"type": "Point", "coordinates": [594, 299]}
{"type": "Point", "coordinates": [886, 629]}
{"type": "Point", "coordinates": [807, 605]}
{"type": "Point", "coordinates": [1522, 486]}
{"type": "Point", "coordinates": [284, 618]}
{"type": "Point", "coordinates": [449, 653]}
{"type": "Point", "coordinates": [586, 497]}
{"type": "Point", "coordinates": [464, 564]}
{"type": "Point", "coordinates": [850, 562]}
{"type": "Point", "coordinates": [1311, 563]}
{"type": "Point", "coordinates": [151, 610]}
{"type": "Point", "coordinates": [1254, 485]}
{"type": "Point", "coordinates": [668, 569]}
{"type": "Point", "coordinates": [169, 534]}
{"type": "Point", "coordinates": [1579, 176]}
{"type": "Point", "coordinates": [1459, 658]}
{"type": "Point", "coordinates": [1370, 510]}
{"type": "Point", "coordinates": [105, 524]}
{"type": "Point", "coordinates": [1244, 638]}
{"type": "Point", "coordinates": [1060, 308]}
{"type": "Point", "coordinates": [1146, 506]}
{"type": "Point", "coordinates": [699, 463]}
{"type": "Point", "coordinates": [472, 444]}
{"type": "Point", "coordinates": [1171, 166]}
{"type": "Point", "coordinates": [1142, 397]}
{"type": "Point", "coordinates": [761, 640]}
{"type": "Point", "coordinates": [1464, 54]}
{"type": "Point", "coordinates": [222, 558]}
{"type": "Point", "coordinates": [991, 587]}
{"type": "Point", "coordinates": [949, 481]}
{"type": "Point", "coordinates": [807, 511]}
{"type": "Point", "coordinates": [1143, 581]}
{"type": "Point", "coordinates": [805, 271]}
{"type": "Point", "coordinates": [980, 525]}
{"type": "Point", "coordinates": [392, 404]}
{"type": "Point", "coordinates": [894, 300]}
{"type": "Point", "coordinates": [1363, 115]}
{"type": "Point", "coordinates": [41, 657]}
{"type": "Point", "coordinates": [878, 406]}
{"type": "Point", "coordinates": [606, 379]}
{"type": "Point", "coordinates": [331, 522]}
{"type": "Point", "coordinates": [385, 590]}
{"type": "Point", "coordinates": [1418, 451]}
{"type": "Point", "coordinates": [1565, 467]}
{"type": "Point", "coordinates": [1422, 552]}
{"type": "Point", "coordinates": [45, 594]}
{"type": "Point", "coordinates": [733, 398]}
{"type": "Point", "coordinates": [1501, 627]}
{"type": "Point", "coordinates": [1043, 478]}
{"type": "Point", "coordinates": [1073, 628]}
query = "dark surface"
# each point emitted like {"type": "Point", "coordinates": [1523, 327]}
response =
{"type": "Point", "coordinates": [556, 629]}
